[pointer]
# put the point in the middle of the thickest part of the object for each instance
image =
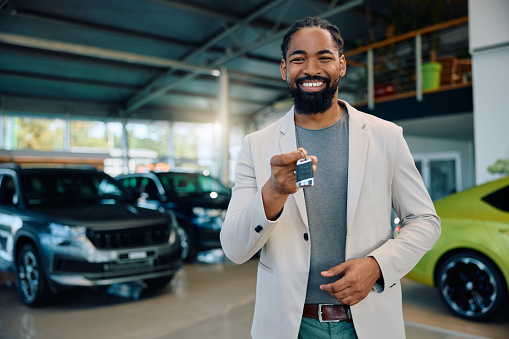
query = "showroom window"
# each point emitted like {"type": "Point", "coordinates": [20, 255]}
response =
{"type": "Point", "coordinates": [195, 146]}
{"type": "Point", "coordinates": [153, 145]}
{"type": "Point", "coordinates": [33, 133]}
{"type": "Point", "coordinates": [95, 136]}
{"type": "Point", "coordinates": [148, 139]}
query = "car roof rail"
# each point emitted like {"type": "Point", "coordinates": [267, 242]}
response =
{"type": "Point", "coordinates": [10, 165]}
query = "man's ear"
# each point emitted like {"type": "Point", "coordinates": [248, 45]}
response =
{"type": "Point", "coordinates": [342, 63]}
{"type": "Point", "coordinates": [283, 69]}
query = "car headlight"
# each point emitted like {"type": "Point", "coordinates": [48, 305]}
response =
{"type": "Point", "coordinates": [65, 231]}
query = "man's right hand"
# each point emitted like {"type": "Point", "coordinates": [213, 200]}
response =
{"type": "Point", "coordinates": [282, 182]}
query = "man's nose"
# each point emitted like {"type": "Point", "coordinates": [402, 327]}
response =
{"type": "Point", "coordinates": [312, 67]}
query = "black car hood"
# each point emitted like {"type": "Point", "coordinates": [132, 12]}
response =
{"type": "Point", "coordinates": [99, 215]}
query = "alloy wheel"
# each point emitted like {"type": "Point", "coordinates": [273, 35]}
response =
{"type": "Point", "coordinates": [184, 242]}
{"type": "Point", "coordinates": [470, 286]}
{"type": "Point", "coordinates": [28, 273]}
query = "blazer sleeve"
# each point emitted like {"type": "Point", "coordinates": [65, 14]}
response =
{"type": "Point", "coordinates": [420, 223]}
{"type": "Point", "coordinates": [246, 228]}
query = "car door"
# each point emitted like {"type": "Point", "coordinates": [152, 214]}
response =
{"type": "Point", "coordinates": [150, 196]}
{"type": "Point", "coordinates": [10, 222]}
{"type": "Point", "coordinates": [494, 211]}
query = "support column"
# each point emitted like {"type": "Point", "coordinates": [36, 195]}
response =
{"type": "Point", "coordinates": [418, 67]}
{"type": "Point", "coordinates": [224, 122]}
{"type": "Point", "coordinates": [371, 81]}
{"type": "Point", "coordinates": [67, 130]}
{"type": "Point", "coordinates": [489, 46]}
{"type": "Point", "coordinates": [2, 120]}
{"type": "Point", "coordinates": [124, 147]}
{"type": "Point", "coordinates": [171, 146]}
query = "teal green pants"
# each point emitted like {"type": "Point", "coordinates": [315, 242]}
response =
{"type": "Point", "coordinates": [313, 329]}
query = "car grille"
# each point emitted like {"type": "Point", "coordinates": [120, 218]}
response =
{"type": "Point", "coordinates": [62, 264]}
{"type": "Point", "coordinates": [131, 237]}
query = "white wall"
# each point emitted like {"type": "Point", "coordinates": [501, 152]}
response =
{"type": "Point", "coordinates": [428, 146]}
{"type": "Point", "coordinates": [489, 46]}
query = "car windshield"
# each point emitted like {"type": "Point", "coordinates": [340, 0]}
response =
{"type": "Point", "coordinates": [69, 188]}
{"type": "Point", "coordinates": [191, 184]}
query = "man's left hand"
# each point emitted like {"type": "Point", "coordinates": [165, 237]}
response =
{"type": "Point", "coordinates": [359, 276]}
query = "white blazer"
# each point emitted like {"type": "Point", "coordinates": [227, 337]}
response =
{"type": "Point", "coordinates": [381, 174]}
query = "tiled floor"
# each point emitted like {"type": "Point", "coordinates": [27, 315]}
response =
{"type": "Point", "coordinates": [213, 301]}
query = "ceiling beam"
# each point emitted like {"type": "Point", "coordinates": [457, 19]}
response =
{"type": "Point", "coordinates": [163, 84]}
{"type": "Point", "coordinates": [210, 12]}
{"type": "Point", "coordinates": [67, 80]}
{"type": "Point", "coordinates": [103, 53]}
{"type": "Point", "coordinates": [96, 83]}
{"type": "Point", "coordinates": [159, 85]}
{"type": "Point", "coordinates": [56, 20]}
{"type": "Point", "coordinates": [79, 24]}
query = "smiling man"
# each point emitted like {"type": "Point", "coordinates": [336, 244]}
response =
{"type": "Point", "coordinates": [329, 265]}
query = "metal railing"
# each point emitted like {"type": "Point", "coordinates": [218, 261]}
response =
{"type": "Point", "coordinates": [402, 66]}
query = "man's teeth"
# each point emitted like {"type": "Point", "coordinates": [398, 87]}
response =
{"type": "Point", "coordinates": [312, 84]}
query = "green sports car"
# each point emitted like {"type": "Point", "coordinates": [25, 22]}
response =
{"type": "Point", "coordinates": [469, 264]}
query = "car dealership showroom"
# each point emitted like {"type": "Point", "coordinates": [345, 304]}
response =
{"type": "Point", "coordinates": [123, 129]}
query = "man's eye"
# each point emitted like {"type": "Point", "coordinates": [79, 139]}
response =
{"type": "Point", "coordinates": [297, 60]}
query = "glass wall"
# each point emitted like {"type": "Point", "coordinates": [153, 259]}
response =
{"type": "Point", "coordinates": [153, 145]}
{"type": "Point", "coordinates": [33, 133]}
{"type": "Point", "coordinates": [195, 146]}
{"type": "Point", "coordinates": [98, 136]}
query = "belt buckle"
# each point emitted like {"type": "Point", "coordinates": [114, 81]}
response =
{"type": "Point", "coordinates": [320, 319]}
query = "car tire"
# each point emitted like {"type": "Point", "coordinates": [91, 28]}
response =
{"type": "Point", "coordinates": [158, 283]}
{"type": "Point", "coordinates": [31, 277]}
{"type": "Point", "coordinates": [187, 243]}
{"type": "Point", "coordinates": [471, 286]}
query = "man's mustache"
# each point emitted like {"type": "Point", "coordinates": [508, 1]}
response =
{"type": "Point", "coordinates": [312, 78]}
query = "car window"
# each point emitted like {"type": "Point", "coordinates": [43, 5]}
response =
{"type": "Point", "coordinates": [68, 188]}
{"type": "Point", "coordinates": [149, 187]}
{"type": "Point", "coordinates": [179, 184]}
{"type": "Point", "coordinates": [8, 196]}
{"type": "Point", "coordinates": [209, 184]}
{"type": "Point", "coordinates": [499, 199]}
{"type": "Point", "coordinates": [185, 184]}
{"type": "Point", "coordinates": [131, 183]}
{"type": "Point", "coordinates": [191, 184]}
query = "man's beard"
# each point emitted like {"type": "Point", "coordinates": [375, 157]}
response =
{"type": "Point", "coordinates": [313, 102]}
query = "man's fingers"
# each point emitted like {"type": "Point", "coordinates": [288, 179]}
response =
{"type": "Point", "coordinates": [291, 158]}
{"type": "Point", "coordinates": [337, 291]}
{"type": "Point", "coordinates": [334, 271]}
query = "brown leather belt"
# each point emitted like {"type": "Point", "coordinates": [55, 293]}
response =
{"type": "Point", "coordinates": [327, 312]}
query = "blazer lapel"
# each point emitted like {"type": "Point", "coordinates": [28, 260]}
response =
{"type": "Point", "coordinates": [288, 144]}
{"type": "Point", "coordinates": [358, 144]}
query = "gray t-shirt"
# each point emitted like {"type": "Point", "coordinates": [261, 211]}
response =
{"type": "Point", "coordinates": [326, 203]}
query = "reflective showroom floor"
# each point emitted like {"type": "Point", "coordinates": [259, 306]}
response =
{"type": "Point", "coordinates": [211, 299]}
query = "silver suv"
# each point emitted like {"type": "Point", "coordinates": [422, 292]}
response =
{"type": "Point", "coordinates": [78, 227]}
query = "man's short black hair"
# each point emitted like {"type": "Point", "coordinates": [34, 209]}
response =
{"type": "Point", "coordinates": [313, 22]}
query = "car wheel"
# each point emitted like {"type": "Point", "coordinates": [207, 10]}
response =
{"type": "Point", "coordinates": [186, 243]}
{"type": "Point", "coordinates": [471, 286]}
{"type": "Point", "coordinates": [157, 283]}
{"type": "Point", "coordinates": [32, 284]}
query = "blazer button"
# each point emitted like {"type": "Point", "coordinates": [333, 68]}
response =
{"type": "Point", "coordinates": [306, 236]}
{"type": "Point", "coordinates": [258, 228]}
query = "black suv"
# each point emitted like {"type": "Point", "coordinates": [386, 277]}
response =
{"type": "Point", "coordinates": [198, 201]}
{"type": "Point", "coordinates": [78, 227]}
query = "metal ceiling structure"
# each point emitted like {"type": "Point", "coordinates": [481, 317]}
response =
{"type": "Point", "coordinates": [160, 59]}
